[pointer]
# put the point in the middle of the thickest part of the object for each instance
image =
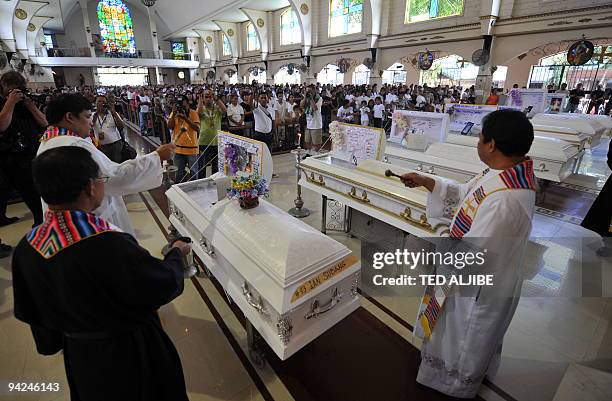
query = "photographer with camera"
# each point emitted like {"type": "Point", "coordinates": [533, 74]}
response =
{"type": "Point", "coordinates": [21, 124]}
{"type": "Point", "coordinates": [312, 104]}
{"type": "Point", "coordinates": [108, 130]}
{"type": "Point", "coordinates": [184, 123]}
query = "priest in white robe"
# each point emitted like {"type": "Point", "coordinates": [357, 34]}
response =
{"type": "Point", "coordinates": [69, 116]}
{"type": "Point", "coordinates": [462, 327]}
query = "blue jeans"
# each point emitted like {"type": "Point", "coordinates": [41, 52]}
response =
{"type": "Point", "coordinates": [143, 120]}
{"type": "Point", "coordinates": [182, 161]}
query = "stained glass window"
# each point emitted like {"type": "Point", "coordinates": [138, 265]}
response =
{"type": "Point", "coordinates": [290, 28]}
{"type": "Point", "coordinates": [345, 17]}
{"type": "Point", "coordinates": [49, 41]}
{"type": "Point", "coordinates": [252, 40]}
{"type": "Point", "coordinates": [116, 27]}
{"type": "Point", "coordinates": [178, 50]}
{"type": "Point", "coordinates": [423, 10]}
{"type": "Point", "coordinates": [227, 47]}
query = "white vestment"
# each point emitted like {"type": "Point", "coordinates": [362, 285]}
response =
{"type": "Point", "coordinates": [129, 177]}
{"type": "Point", "coordinates": [465, 344]}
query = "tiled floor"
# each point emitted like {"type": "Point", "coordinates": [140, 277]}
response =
{"type": "Point", "coordinates": [558, 347]}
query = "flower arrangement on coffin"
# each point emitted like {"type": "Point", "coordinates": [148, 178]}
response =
{"type": "Point", "coordinates": [248, 188]}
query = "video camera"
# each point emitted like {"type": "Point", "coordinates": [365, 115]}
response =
{"type": "Point", "coordinates": [180, 108]}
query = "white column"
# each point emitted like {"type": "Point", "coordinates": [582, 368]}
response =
{"type": "Point", "coordinates": [160, 76]}
{"type": "Point", "coordinates": [153, 28]}
{"type": "Point", "coordinates": [87, 25]}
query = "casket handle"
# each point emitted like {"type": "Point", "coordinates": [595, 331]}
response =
{"type": "Point", "coordinates": [207, 249]}
{"type": "Point", "coordinates": [419, 167]}
{"type": "Point", "coordinates": [316, 309]}
{"type": "Point", "coordinates": [431, 170]}
{"type": "Point", "coordinates": [179, 215]}
{"type": "Point", "coordinates": [542, 168]}
{"type": "Point", "coordinates": [363, 198]}
{"type": "Point", "coordinates": [312, 179]}
{"type": "Point", "coordinates": [421, 222]}
{"type": "Point", "coordinates": [258, 306]}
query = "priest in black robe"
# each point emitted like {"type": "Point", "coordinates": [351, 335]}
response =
{"type": "Point", "coordinates": [89, 290]}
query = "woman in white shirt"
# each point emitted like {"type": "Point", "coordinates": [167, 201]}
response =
{"type": "Point", "coordinates": [235, 114]}
{"type": "Point", "coordinates": [345, 112]}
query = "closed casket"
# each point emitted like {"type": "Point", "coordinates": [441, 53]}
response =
{"type": "Point", "coordinates": [458, 165]}
{"type": "Point", "coordinates": [555, 125]}
{"type": "Point", "coordinates": [553, 159]}
{"type": "Point", "coordinates": [290, 281]}
{"type": "Point", "coordinates": [365, 188]}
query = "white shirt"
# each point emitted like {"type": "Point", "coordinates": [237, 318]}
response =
{"type": "Point", "coordinates": [378, 110]}
{"type": "Point", "coordinates": [365, 118]}
{"type": "Point", "coordinates": [130, 177]}
{"type": "Point", "coordinates": [314, 120]}
{"type": "Point", "coordinates": [263, 120]}
{"type": "Point", "coordinates": [105, 129]}
{"type": "Point", "coordinates": [289, 109]}
{"type": "Point", "coordinates": [391, 98]}
{"type": "Point", "coordinates": [280, 110]}
{"type": "Point", "coordinates": [144, 108]}
{"type": "Point", "coordinates": [235, 112]}
{"type": "Point", "coordinates": [345, 114]}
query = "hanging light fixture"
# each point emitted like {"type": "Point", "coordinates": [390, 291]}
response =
{"type": "Point", "coordinates": [148, 3]}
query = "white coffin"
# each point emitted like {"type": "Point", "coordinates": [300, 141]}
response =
{"type": "Point", "coordinates": [365, 188]}
{"type": "Point", "coordinates": [553, 159]}
{"type": "Point", "coordinates": [554, 125]}
{"type": "Point", "coordinates": [458, 165]}
{"type": "Point", "coordinates": [264, 260]}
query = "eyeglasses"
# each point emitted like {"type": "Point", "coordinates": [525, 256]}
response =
{"type": "Point", "coordinates": [103, 178]}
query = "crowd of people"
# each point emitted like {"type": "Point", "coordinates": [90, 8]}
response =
{"type": "Point", "coordinates": [189, 116]}
{"type": "Point", "coordinates": [64, 152]}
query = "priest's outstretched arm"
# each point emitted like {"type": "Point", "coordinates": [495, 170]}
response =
{"type": "Point", "coordinates": [132, 176]}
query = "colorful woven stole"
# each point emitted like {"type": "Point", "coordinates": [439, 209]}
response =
{"type": "Point", "coordinates": [520, 176]}
{"type": "Point", "coordinates": [63, 228]}
{"type": "Point", "coordinates": [53, 132]}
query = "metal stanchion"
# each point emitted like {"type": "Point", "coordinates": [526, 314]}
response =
{"type": "Point", "coordinates": [299, 210]}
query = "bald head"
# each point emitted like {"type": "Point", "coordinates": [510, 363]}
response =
{"type": "Point", "coordinates": [208, 97]}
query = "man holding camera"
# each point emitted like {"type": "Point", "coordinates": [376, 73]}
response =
{"type": "Point", "coordinates": [184, 123]}
{"type": "Point", "coordinates": [107, 126]}
{"type": "Point", "coordinates": [20, 126]}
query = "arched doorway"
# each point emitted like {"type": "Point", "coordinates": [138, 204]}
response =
{"type": "Point", "coordinates": [554, 70]}
{"type": "Point", "coordinates": [256, 74]}
{"type": "Point", "coordinates": [283, 76]}
{"type": "Point", "coordinates": [330, 74]}
{"type": "Point", "coordinates": [361, 75]}
{"type": "Point", "coordinates": [454, 70]}
{"type": "Point", "coordinates": [230, 76]}
{"type": "Point", "coordinates": [451, 70]}
{"type": "Point", "coordinates": [394, 75]}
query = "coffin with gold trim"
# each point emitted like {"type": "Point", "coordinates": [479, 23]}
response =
{"type": "Point", "coordinates": [265, 262]}
{"type": "Point", "coordinates": [570, 127]}
{"type": "Point", "coordinates": [553, 159]}
{"type": "Point", "coordinates": [365, 188]}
